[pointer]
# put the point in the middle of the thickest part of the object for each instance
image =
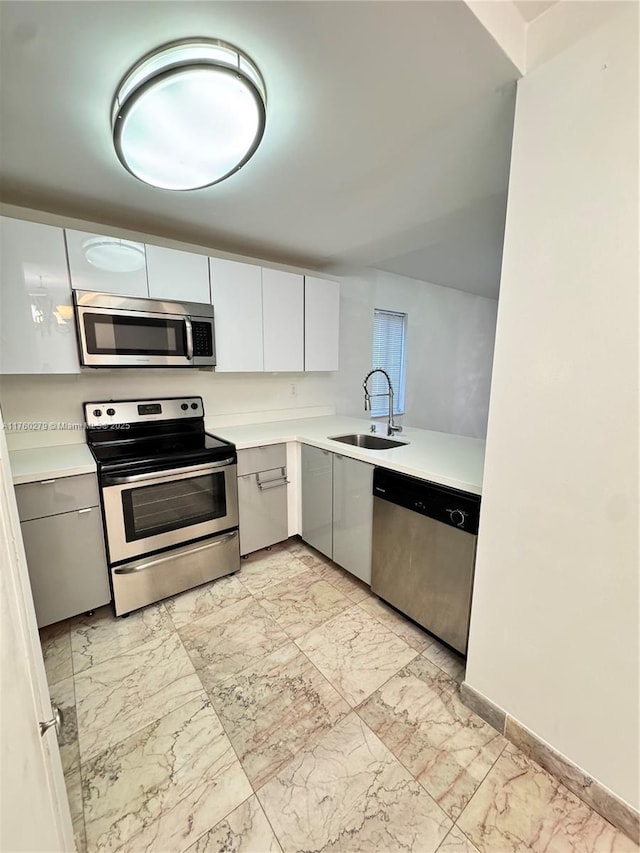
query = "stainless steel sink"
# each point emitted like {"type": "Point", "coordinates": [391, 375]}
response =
{"type": "Point", "coordinates": [368, 441]}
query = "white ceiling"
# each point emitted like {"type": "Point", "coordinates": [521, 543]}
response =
{"type": "Point", "coordinates": [530, 9]}
{"type": "Point", "coordinates": [387, 141]}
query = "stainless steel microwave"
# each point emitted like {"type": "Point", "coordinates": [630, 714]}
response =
{"type": "Point", "coordinates": [123, 331]}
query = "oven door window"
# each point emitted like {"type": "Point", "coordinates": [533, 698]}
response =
{"type": "Point", "coordinates": [114, 334]}
{"type": "Point", "coordinates": [155, 509]}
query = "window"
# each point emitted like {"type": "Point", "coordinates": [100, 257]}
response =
{"type": "Point", "coordinates": [389, 336]}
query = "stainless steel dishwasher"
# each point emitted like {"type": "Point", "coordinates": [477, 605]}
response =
{"type": "Point", "coordinates": [424, 549]}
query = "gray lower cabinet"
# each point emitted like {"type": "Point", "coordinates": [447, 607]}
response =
{"type": "Point", "coordinates": [317, 499]}
{"type": "Point", "coordinates": [352, 515]}
{"type": "Point", "coordinates": [337, 508]}
{"type": "Point", "coordinates": [65, 550]}
{"type": "Point", "coordinates": [262, 497]}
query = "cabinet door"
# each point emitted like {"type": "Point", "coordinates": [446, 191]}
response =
{"type": "Point", "coordinates": [236, 294]}
{"type": "Point", "coordinates": [352, 515]}
{"type": "Point", "coordinates": [317, 499]}
{"type": "Point", "coordinates": [106, 264]}
{"type": "Point", "coordinates": [181, 276]}
{"type": "Point", "coordinates": [321, 323]}
{"type": "Point", "coordinates": [67, 564]}
{"type": "Point", "coordinates": [262, 507]}
{"type": "Point", "coordinates": [37, 329]}
{"type": "Point", "coordinates": [283, 320]}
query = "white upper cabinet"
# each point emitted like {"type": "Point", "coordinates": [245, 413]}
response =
{"type": "Point", "coordinates": [321, 323]}
{"type": "Point", "coordinates": [236, 294]}
{"type": "Point", "coordinates": [181, 276]}
{"type": "Point", "coordinates": [106, 264]}
{"type": "Point", "coordinates": [282, 320]}
{"type": "Point", "coordinates": [37, 330]}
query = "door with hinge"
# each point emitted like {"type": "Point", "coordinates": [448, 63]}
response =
{"type": "Point", "coordinates": [34, 811]}
{"type": "Point", "coordinates": [317, 498]}
{"type": "Point", "coordinates": [352, 515]}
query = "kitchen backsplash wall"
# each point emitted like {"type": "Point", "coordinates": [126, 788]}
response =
{"type": "Point", "coordinates": [229, 398]}
{"type": "Point", "coordinates": [449, 350]}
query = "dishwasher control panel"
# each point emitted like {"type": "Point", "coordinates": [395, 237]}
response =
{"type": "Point", "coordinates": [449, 506]}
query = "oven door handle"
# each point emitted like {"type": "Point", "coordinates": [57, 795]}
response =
{"type": "Point", "coordinates": [108, 480]}
{"type": "Point", "coordinates": [140, 567]}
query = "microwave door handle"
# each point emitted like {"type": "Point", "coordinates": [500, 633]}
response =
{"type": "Point", "coordinates": [189, 331]}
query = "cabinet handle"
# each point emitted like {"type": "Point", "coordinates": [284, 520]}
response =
{"type": "Point", "coordinates": [46, 482]}
{"type": "Point", "coordinates": [271, 484]}
{"type": "Point", "coordinates": [140, 567]}
{"type": "Point", "coordinates": [80, 511]}
{"type": "Point", "coordinates": [326, 452]}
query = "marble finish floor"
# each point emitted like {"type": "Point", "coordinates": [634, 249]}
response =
{"type": "Point", "coordinates": [284, 709]}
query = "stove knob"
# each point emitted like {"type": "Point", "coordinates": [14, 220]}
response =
{"type": "Point", "coordinates": [111, 412]}
{"type": "Point", "coordinates": [184, 406]}
{"type": "Point", "coordinates": [97, 413]}
{"type": "Point", "coordinates": [194, 405]}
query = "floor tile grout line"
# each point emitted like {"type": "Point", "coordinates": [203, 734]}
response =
{"type": "Point", "coordinates": [222, 725]}
{"type": "Point", "coordinates": [293, 757]}
{"type": "Point", "coordinates": [155, 634]}
{"type": "Point", "coordinates": [264, 812]}
{"type": "Point", "coordinates": [359, 706]}
{"type": "Point", "coordinates": [389, 628]}
{"type": "Point", "coordinates": [478, 786]}
{"type": "Point", "coordinates": [75, 707]}
{"type": "Point", "coordinates": [337, 689]}
{"type": "Point", "coordinates": [402, 764]}
{"type": "Point", "coordinates": [252, 794]}
{"type": "Point", "coordinates": [151, 722]}
{"type": "Point", "coordinates": [291, 641]}
{"type": "Point", "coordinates": [397, 757]}
{"type": "Point", "coordinates": [371, 594]}
{"type": "Point", "coordinates": [138, 730]}
{"type": "Point", "coordinates": [210, 612]}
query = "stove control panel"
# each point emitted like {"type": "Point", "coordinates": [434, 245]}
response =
{"type": "Point", "coordinates": [104, 414]}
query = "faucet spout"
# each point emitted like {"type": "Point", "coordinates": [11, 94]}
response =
{"type": "Point", "coordinates": [391, 425]}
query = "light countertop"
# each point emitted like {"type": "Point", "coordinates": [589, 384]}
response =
{"type": "Point", "coordinates": [451, 460]}
{"type": "Point", "coordinates": [49, 463]}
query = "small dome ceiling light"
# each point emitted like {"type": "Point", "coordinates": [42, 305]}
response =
{"type": "Point", "coordinates": [189, 114]}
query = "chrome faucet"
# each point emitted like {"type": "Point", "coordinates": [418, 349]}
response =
{"type": "Point", "coordinates": [391, 426]}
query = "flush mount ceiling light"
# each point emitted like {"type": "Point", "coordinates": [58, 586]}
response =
{"type": "Point", "coordinates": [189, 115]}
{"type": "Point", "coordinates": [108, 253]}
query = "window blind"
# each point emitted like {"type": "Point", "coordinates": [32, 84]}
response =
{"type": "Point", "coordinates": [389, 329]}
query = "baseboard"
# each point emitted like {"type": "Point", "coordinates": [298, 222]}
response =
{"type": "Point", "coordinates": [489, 712]}
{"type": "Point", "coordinates": [623, 816]}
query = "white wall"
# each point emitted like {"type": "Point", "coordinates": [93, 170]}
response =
{"type": "Point", "coordinates": [555, 629]}
{"type": "Point", "coordinates": [450, 336]}
{"type": "Point", "coordinates": [228, 397]}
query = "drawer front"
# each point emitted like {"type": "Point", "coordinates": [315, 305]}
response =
{"type": "Point", "coordinates": [52, 497]}
{"type": "Point", "coordinates": [262, 458]}
{"type": "Point", "coordinates": [67, 564]}
{"type": "Point", "coordinates": [150, 579]}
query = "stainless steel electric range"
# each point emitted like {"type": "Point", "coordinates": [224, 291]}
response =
{"type": "Point", "coordinates": [169, 497]}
